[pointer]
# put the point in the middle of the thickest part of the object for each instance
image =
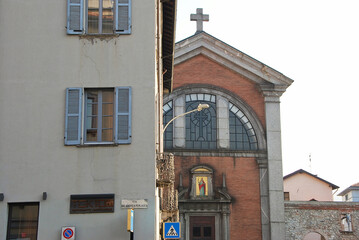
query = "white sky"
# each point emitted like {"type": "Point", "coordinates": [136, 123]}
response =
{"type": "Point", "coordinates": [315, 43]}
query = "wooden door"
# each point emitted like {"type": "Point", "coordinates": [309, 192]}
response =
{"type": "Point", "coordinates": [202, 228]}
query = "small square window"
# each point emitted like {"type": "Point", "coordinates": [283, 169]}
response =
{"type": "Point", "coordinates": [207, 231]}
{"type": "Point", "coordinates": [286, 196]}
{"type": "Point", "coordinates": [196, 231]}
{"type": "Point", "coordinates": [346, 222]}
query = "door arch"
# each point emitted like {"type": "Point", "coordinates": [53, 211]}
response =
{"type": "Point", "coordinates": [314, 236]}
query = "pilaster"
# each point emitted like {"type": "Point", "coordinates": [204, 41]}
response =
{"type": "Point", "coordinates": [274, 160]}
{"type": "Point", "coordinates": [179, 134]}
{"type": "Point", "coordinates": [222, 123]}
{"type": "Point", "coordinates": [264, 195]}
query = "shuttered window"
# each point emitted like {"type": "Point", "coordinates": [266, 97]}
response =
{"type": "Point", "coordinates": [74, 16]}
{"type": "Point", "coordinates": [106, 116]}
{"type": "Point", "coordinates": [73, 116]}
{"type": "Point", "coordinates": [123, 115]}
{"type": "Point", "coordinates": [98, 16]}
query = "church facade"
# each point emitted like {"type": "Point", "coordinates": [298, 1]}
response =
{"type": "Point", "coordinates": [228, 162]}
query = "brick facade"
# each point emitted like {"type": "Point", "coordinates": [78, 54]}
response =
{"type": "Point", "coordinates": [202, 70]}
{"type": "Point", "coordinates": [242, 180]}
{"type": "Point", "coordinates": [242, 174]}
{"type": "Point", "coordinates": [249, 205]}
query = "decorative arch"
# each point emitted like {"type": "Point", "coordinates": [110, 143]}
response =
{"type": "Point", "coordinates": [314, 235]}
{"type": "Point", "coordinates": [247, 120]}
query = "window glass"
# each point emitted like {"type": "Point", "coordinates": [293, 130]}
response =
{"type": "Point", "coordinates": [23, 221]}
{"type": "Point", "coordinates": [107, 16]}
{"type": "Point", "coordinates": [286, 196]}
{"type": "Point", "coordinates": [168, 134]}
{"type": "Point", "coordinates": [201, 126]}
{"type": "Point", "coordinates": [346, 222]}
{"type": "Point", "coordinates": [241, 132]}
{"type": "Point", "coordinates": [100, 16]}
{"type": "Point", "coordinates": [207, 231]}
{"type": "Point", "coordinates": [99, 115]}
{"type": "Point", "coordinates": [196, 231]}
{"type": "Point", "coordinates": [93, 15]}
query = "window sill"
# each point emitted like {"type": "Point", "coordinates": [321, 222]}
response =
{"type": "Point", "coordinates": [98, 144]}
{"type": "Point", "coordinates": [99, 36]}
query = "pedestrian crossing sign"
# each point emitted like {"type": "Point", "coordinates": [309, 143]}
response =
{"type": "Point", "coordinates": [171, 230]}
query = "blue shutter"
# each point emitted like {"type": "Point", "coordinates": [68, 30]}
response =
{"type": "Point", "coordinates": [74, 16]}
{"type": "Point", "coordinates": [123, 16]}
{"type": "Point", "coordinates": [73, 116]}
{"type": "Point", "coordinates": [123, 115]}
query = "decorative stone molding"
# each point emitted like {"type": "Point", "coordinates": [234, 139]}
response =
{"type": "Point", "coordinates": [226, 55]}
{"type": "Point", "coordinates": [165, 169]}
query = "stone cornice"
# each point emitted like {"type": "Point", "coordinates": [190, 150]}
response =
{"type": "Point", "coordinates": [230, 57]}
{"type": "Point", "coordinates": [262, 162]}
{"type": "Point", "coordinates": [201, 153]}
{"type": "Point", "coordinates": [271, 92]}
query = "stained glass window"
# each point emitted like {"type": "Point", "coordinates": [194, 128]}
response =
{"type": "Point", "coordinates": [242, 135]}
{"type": "Point", "coordinates": [201, 126]}
{"type": "Point", "coordinates": [168, 134]}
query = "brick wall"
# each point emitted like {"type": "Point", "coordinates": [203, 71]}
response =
{"type": "Point", "coordinates": [242, 173]}
{"type": "Point", "coordinates": [242, 180]}
{"type": "Point", "coordinates": [302, 218]}
{"type": "Point", "coordinates": [202, 70]}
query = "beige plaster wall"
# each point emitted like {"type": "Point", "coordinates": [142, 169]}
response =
{"type": "Point", "coordinates": [38, 61]}
{"type": "Point", "coordinates": [303, 187]}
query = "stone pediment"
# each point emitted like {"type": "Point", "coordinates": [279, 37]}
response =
{"type": "Point", "coordinates": [222, 53]}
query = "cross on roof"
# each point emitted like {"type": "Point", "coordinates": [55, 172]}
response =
{"type": "Point", "coordinates": [199, 17]}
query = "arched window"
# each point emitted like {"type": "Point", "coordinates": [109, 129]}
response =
{"type": "Point", "coordinates": [242, 135]}
{"type": "Point", "coordinates": [168, 134]}
{"type": "Point", "coordinates": [225, 125]}
{"type": "Point", "coordinates": [201, 127]}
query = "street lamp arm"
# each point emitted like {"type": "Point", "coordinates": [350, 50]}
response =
{"type": "Point", "coordinates": [199, 108]}
{"type": "Point", "coordinates": [181, 115]}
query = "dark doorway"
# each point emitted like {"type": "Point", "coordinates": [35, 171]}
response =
{"type": "Point", "coordinates": [202, 228]}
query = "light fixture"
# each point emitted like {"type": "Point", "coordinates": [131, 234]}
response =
{"type": "Point", "coordinates": [199, 108]}
{"type": "Point", "coordinates": [44, 195]}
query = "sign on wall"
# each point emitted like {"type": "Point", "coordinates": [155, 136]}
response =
{"type": "Point", "coordinates": [68, 233]}
{"type": "Point", "coordinates": [92, 203]}
{"type": "Point", "coordinates": [140, 203]}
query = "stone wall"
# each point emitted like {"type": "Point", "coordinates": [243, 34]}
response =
{"type": "Point", "coordinates": [324, 218]}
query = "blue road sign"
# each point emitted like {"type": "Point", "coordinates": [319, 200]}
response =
{"type": "Point", "coordinates": [172, 230]}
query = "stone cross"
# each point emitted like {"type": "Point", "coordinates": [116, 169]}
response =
{"type": "Point", "coordinates": [199, 17]}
